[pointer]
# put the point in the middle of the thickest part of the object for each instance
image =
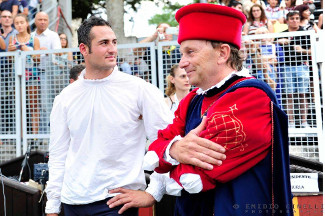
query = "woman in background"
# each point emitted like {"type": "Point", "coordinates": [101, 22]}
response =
{"type": "Point", "coordinates": [256, 19]}
{"type": "Point", "coordinates": [177, 87]}
{"type": "Point", "coordinates": [305, 21]}
{"type": "Point", "coordinates": [24, 41]}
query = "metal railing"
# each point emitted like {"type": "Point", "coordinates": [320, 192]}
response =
{"type": "Point", "coordinates": [30, 83]}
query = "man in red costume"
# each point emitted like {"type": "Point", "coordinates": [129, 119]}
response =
{"type": "Point", "coordinates": [242, 115]}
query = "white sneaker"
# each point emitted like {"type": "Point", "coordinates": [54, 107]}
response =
{"type": "Point", "coordinates": [305, 125]}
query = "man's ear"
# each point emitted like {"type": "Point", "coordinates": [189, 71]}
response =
{"type": "Point", "coordinates": [84, 49]}
{"type": "Point", "coordinates": [224, 53]}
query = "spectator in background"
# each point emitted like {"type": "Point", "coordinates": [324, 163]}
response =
{"type": "Point", "coordinates": [170, 54]}
{"type": "Point", "coordinates": [289, 6]}
{"type": "Point", "coordinates": [25, 41]}
{"type": "Point", "coordinates": [63, 62]}
{"type": "Point", "coordinates": [65, 44]}
{"type": "Point", "coordinates": [49, 40]}
{"type": "Point", "coordinates": [75, 72]}
{"type": "Point", "coordinates": [177, 87]}
{"type": "Point", "coordinates": [297, 52]}
{"type": "Point", "coordinates": [6, 22]}
{"type": "Point", "coordinates": [236, 5]}
{"type": "Point", "coordinates": [305, 21]}
{"type": "Point", "coordinates": [247, 5]}
{"type": "Point", "coordinates": [256, 19]}
{"type": "Point", "coordinates": [125, 66]}
{"type": "Point", "coordinates": [23, 7]}
{"type": "Point", "coordinates": [10, 5]}
{"type": "Point", "coordinates": [265, 59]}
{"type": "Point", "coordinates": [6, 75]}
{"type": "Point", "coordinates": [273, 12]}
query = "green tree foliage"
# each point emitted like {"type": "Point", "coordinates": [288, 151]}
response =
{"type": "Point", "coordinates": [82, 8]}
{"type": "Point", "coordinates": [168, 15]}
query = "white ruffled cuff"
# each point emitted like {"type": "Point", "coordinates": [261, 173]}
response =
{"type": "Point", "coordinates": [157, 185]}
{"type": "Point", "coordinates": [167, 156]}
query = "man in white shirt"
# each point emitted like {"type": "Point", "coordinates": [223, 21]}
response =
{"type": "Point", "coordinates": [49, 40]}
{"type": "Point", "coordinates": [99, 126]}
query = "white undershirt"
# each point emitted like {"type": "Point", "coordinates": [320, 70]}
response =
{"type": "Point", "coordinates": [97, 140]}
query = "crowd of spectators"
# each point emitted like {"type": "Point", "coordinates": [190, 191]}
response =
{"type": "Point", "coordinates": [263, 17]}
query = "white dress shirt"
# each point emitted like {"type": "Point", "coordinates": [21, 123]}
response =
{"type": "Point", "coordinates": [50, 40]}
{"type": "Point", "coordinates": [97, 140]}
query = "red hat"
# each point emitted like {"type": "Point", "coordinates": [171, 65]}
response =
{"type": "Point", "coordinates": [203, 21]}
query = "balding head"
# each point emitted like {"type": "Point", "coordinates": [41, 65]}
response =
{"type": "Point", "coordinates": [41, 22]}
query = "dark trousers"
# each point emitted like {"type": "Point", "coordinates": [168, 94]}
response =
{"type": "Point", "coordinates": [99, 208]}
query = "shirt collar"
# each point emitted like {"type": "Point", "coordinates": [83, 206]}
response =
{"type": "Point", "coordinates": [82, 76]}
{"type": "Point", "coordinates": [244, 73]}
{"type": "Point", "coordinates": [44, 32]}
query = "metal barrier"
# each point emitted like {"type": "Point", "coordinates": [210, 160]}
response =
{"type": "Point", "coordinates": [10, 117]}
{"type": "Point", "coordinates": [38, 76]}
{"type": "Point", "coordinates": [287, 62]}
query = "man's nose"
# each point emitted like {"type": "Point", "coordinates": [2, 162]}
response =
{"type": "Point", "coordinates": [183, 63]}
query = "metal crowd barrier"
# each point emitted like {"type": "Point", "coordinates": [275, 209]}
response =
{"type": "Point", "coordinates": [31, 80]}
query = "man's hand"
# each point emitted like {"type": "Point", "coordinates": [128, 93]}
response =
{"type": "Point", "coordinates": [198, 151]}
{"type": "Point", "coordinates": [52, 214]}
{"type": "Point", "coordinates": [130, 199]}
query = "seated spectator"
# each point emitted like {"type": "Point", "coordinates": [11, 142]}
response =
{"type": "Point", "coordinates": [9, 5]}
{"type": "Point", "coordinates": [256, 19]}
{"type": "Point", "coordinates": [247, 5]}
{"type": "Point", "coordinates": [75, 72]}
{"type": "Point", "coordinates": [273, 12]}
{"type": "Point", "coordinates": [305, 21]}
{"type": "Point", "coordinates": [24, 41]}
{"type": "Point", "coordinates": [236, 5]}
{"type": "Point", "coordinates": [287, 5]}
{"type": "Point", "coordinates": [177, 87]}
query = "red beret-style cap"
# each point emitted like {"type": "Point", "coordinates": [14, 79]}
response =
{"type": "Point", "coordinates": [202, 21]}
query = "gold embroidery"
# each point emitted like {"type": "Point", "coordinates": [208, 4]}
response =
{"type": "Point", "coordinates": [231, 128]}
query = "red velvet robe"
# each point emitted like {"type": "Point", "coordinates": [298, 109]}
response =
{"type": "Point", "coordinates": [240, 121]}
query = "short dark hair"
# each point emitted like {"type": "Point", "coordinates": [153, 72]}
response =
{"type": "Point", "coordinates": [291, 13]}
{"type": "Point", "coordinates": [234, 4]}
{"type": "Point", "coordinates": [84, 35]}
{"type": "Point", "coordinates": [75, 71]}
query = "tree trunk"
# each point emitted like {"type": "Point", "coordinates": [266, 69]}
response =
{"type": "Point", "coordinates": [115, 15]}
